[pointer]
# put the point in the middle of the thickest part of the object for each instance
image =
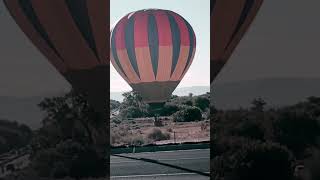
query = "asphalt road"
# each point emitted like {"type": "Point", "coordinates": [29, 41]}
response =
{"type": "Point", "coordinates": [170, 165]}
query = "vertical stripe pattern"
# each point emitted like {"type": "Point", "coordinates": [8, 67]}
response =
{"type": "Point", "coordinates": [72, 34]}
{"type": "Point", "coordinates": [160, 45]}
{"type": "Point", "coordinates": [229, 22]}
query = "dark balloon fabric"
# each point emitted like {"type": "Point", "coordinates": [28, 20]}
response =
{"type": "Point", "coordinates": [152, 50]}
{"type": "Point", "coordinates": [230, 19]}
{"type": "Point", "coordinates": [72, 34]}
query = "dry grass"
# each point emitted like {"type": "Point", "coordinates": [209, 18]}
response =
{"type": "Point", "coordinates": [139, 130]}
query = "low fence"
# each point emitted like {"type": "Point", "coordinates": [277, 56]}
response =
{"type": "Point", "coordinates": [156, 148]}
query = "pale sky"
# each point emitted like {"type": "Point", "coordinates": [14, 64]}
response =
{"type": "Point", "coordinates": [283, 41]}
{"type": "Point", "coordinates": [197, 14]}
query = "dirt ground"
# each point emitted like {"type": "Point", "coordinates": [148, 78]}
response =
{"type": "Point", "coordinates": [179, 131]}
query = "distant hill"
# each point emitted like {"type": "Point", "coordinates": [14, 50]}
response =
{"type": "Point", "coordinates": [13, 135]}
{"type": "Point", "coordinates": [23, 110]}
{"type": "Point", "coordinates": [184, 91]}
{"type": "Point", "coordinates": [277, 92]}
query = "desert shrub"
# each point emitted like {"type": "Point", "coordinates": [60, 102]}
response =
{"type": "Point", "coordinates": [205, 125]}
{"type": "Point", "coordinates": [114, 137]}
{"type": "Point", "coordinates": [120, 136]}
{"type": "Point", "coordinates": [256, 160]}
{"type": "Point", "coordinates": [69, 158]}
{"type": "Point", "coordinates": [157, 135]}
{"type": "Point", "coordinates": [188, 114]}
{"type": "Point", "coordinates": [137, 140]}
{"type": "Point", "coordinates": [158, 123]}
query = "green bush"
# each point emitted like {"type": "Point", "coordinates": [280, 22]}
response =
{"type": "Point", "coordinates": [188, 114]}
{"type": "Point", "coordinates": [132, 112]}
{"type": "Point", "coordinates": [169, 109]}
{"type": "Point", "coordinates": [188, 103]}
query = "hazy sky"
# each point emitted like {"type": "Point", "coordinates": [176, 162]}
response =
{"type": "Point", "coordinates": [283, 42]}
{"type": "Point", "coordinates": [199, 72]}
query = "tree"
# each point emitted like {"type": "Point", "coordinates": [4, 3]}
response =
{"type": "Point", "coordinates": [69, 158]}
{"type": "Point", "coordinates": [258, 105]}
{"type": "Point", "coordinates": [71, 113]}
{"type": "Point", "coordinates": [114, 104]}
{"type": "Point", "coordinates": [297, 130]}
{"type": "Point", "coordinates": [133, 106]}
{"type": "Point", "coordinates": [249, 129]}
{"type": "Point", "coordinates": [264, 161]}
{"type": "Point", "coordinates": [202, 102]}
{"type": "Point", "coordinates": [132, 112]}
{"type": "Point", "coordinates": [132, 98]}
{"type": "Point", "coordinates": [71, 117]}
{"type": "Point", "coordinates": [169, 109]}
{"type": "Point", "coordinates": [238, 158]}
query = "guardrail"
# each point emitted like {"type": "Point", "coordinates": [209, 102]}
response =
{"type": "Point", "coordinates": [156, 148]}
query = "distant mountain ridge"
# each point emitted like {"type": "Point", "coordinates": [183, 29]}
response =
{"type": "Point", "coordinates": [21, 109]}
{"type": "Point", "coordinates": [276, 92]}
{"type": "Point", "coordinates": [183, 91]}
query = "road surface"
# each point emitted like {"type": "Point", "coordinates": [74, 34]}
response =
{"type": "Point", "coordinates": [170, 165]}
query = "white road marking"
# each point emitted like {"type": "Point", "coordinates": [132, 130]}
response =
{"type": "Point", "coordinates": [190, 150]}
{"type": "Point", "coordinates": [135, 161]}
{"type": "Point", "coordinates": [154, 175]}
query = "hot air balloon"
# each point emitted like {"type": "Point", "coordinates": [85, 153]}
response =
{"type": "Point", "coordinates": [230, 19]}
{"type": "Point", "coordinates": [152, 49]}
{"type": "Point", "coordinates": [73, 36]}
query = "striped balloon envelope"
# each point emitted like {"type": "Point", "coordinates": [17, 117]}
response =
{"type": "Point", "coordinates": [230, 19]}
{"type": "Point", "coordinates": [73, 36]}
{"type": "Point", "coordinates": [152, 50]}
